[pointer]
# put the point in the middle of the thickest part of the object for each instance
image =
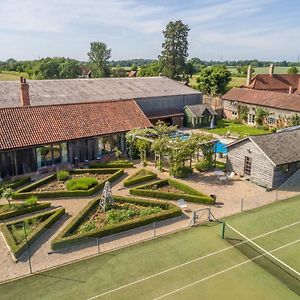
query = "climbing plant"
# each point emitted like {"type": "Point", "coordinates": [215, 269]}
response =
{"type": "Point", "coordinates": [243, 112]}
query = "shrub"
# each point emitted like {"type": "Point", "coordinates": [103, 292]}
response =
{"type": "Point", "coordinates": [139, 177]}
{"type": "Point", "coordinates": [184, 172]}
{"type": "Point", "coordinates": [203, 165]}
{"type": "Point", "coordinates": [121, 163]}
{"type": "Point", "coordinates": [31, 201]}
{"type": "Point", "coordinates": [81, 184]}
{"type": "Point", "coordinates": [62, 175]}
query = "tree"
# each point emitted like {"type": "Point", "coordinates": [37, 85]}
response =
{"type": "Point", "coordinates": [7, 194]}
{"type": "Point", "coordinates": [293, 70]}
{"type": "Point", "coordinates": [99, 55]}
{"type": "Point", "coordinates": [214, 80]}
{"type": "Point", "coordinates": [119, 72]}
{"type": "Point", "coordinates": [153, 69]}
{"type": "Point", "coordinates": [175, 49]}
{"type": "Point", "coordinates": [69, 69]}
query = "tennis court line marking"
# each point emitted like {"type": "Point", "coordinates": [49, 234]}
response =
{"type": "Point", "coordinates": [186, 263]}
{"type": "Point", "coordinates": [223, 271]}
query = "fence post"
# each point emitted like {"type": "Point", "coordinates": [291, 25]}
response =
{"type": "Point", "coordinates": [154, 229]}
{"type": "Point", "coordinates": [98, 245]}
{"type": "Point", "coordinates": [223, 230]}
{"type": "Point", "coordinates": [27, 246]}
{"type": "Point", "coordinates": [209, 212]}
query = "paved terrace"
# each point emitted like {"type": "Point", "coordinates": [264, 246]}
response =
{"type": "Point", "coordinates": [229, 201]}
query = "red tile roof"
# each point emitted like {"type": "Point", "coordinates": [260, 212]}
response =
{"type": "Point", "coordinates": [264, 98]}
{"type": "Point", "coordinates": [277, 82]}
{"type": "Point", "coordinates": [37, 125]}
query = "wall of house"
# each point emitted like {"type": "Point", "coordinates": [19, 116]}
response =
{"type": "Point", "coordinates": [262, 170]}
{"type": "Point", "coordinates": [156, 104]}
{"type": "Point", "coordinates": [230, 109]}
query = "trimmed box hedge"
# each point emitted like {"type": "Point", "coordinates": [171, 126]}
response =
{"type": "Point", "coordinates": [24, 210]}
{"type": "Point", "coordinates": [191, 195]}
{"type": "Point", "coordinates": [67, 239]}
{"type": "Point", "coordinates": [15, 183]}
{"type": "Point", "coordinates": [26, 192]}
{"type": "Point", "coordinates": [135, 178]}
{"type": "Point", "coordinates": [112, 164]}
{"type": "Point", "coordinates": [17, 250]}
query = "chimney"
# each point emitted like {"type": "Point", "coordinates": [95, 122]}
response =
{"type": "Point", "coordinates": [249, 75]}
{"type": "Point", "coordinates": [24, 92]}
{"type": "Point", "coordinates": [291, 90]}
{"type": "Point", "coordinates": [89, 74]}
{"type": "Point", "coordinates": [271, 70]}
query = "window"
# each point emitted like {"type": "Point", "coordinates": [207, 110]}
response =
{"type": "Point", "coordinates": [272, 121]}
{"type": "Point", "coordinates": [251, 119]}
{"type": "Point", "coordinates": [51, 154]}
{"type": "Point", "coordinates": [247, 165]}
{"type": "Point", "coordinates": [234, 113]}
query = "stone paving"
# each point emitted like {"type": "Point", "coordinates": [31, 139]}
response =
{"type": "Point", "coordinates": [231, 199]}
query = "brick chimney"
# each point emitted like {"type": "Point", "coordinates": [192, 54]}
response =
{"type": "Point", "coordinates": [24, 92]}
{"type": "Point", "coordinates": [291, 90]}
{"type": "Point", "coordinates": [249, 75]}
{"type": "Point", "coordinates": [271, 70]}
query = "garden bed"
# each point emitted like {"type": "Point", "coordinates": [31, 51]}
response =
{"type": "Point", "coordinates": [17, 209]}
{"type": "Point", "coordinates": [13, 184]}
{"type": "Point", "coordinates": [140, 176]}
{"type": "Point", "coordinates": [128, 213]}
{"type": "Point", "coordinates": [14, 233]}
{"type": "Point", "coordinates": [50, 187]}
{"type": "Point", "coordinates": [171, 190]}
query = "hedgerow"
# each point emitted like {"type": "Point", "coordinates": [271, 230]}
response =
{"type": "Point", "coordinates": [139, 177]}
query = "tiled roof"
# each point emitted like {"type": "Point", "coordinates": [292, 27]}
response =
{"type": "Point", "coordinates": [264, 98]}
{"type": "Point", "coordinates": [198, 109]}
{"type": "Point", "coordinates": [277, 82]}
{"type": "Point", "coordinates": [47, 92]}
{"type": "Point", "coordinates": [36, 125]}
{"type": "Point", "coordinates": [281, 147]}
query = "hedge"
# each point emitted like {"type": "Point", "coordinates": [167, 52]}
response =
{"type": "Point", "coordinates": [17, 250]}
{"type": "Point", "coordinates": [191, 195]}
{"type": "Point", "coordinates": [25, 192]}
{"type": "Point", "coordinates": [67, 239]}
{"type": "Point", "coordinates": [134, 179]}
{"type": "Point", "coordinates": [24, 210]}
{"type": "Point", "coordinates": [113, 164]}
{"type": "Point", "coordinates": [15, 183]}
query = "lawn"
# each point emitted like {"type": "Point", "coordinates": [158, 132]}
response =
{"type": "Point", "coordinates": [191, 264]}
{"type": "Point", "coordinates": [241, 130]}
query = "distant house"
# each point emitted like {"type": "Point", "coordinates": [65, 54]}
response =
{"type": "Point", "coordinates": [199, 115]}
{"type": "Point", "coordinates": [277, 94]}
{"type": "Point", "coordinates": [268, 160]}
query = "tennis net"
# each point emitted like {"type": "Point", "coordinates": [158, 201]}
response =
{"type": "Point", "coordinates": [265, 259]}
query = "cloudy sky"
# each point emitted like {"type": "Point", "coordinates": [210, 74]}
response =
{"type": "Point", "coordinates": [228, 29]}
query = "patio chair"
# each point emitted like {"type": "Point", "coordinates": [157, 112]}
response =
{"type": "Point", "coordinates": [181, 203]}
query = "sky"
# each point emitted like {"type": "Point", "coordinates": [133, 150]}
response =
{"type": "Point", "coordinates": [219, 30]}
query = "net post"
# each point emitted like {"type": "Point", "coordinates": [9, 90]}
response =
{"type": "Point", "coordinates": [223, 230]}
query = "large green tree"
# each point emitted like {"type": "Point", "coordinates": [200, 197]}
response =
{"type": "Point", "coordinates": [214, 80]}
{"type": "Point", "coordinates": [99, 56]}
{"type": "Point", "coordinates": [69, 69]}
{"type": "Point", "coordinates": [175, 49]}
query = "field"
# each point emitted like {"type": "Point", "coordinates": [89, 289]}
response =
{"type": "Point", "coordinates": [10, 75]}
{"type": "Point", "coordinates": [193, 264]}
{"type": "Point", "coordinates": [263, 70]}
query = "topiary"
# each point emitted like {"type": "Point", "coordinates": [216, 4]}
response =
{"type": "Point", "coordinates": [62, 175]}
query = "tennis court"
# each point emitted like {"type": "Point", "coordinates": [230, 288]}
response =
{"type": "Point", "coordinates": [193, 264]}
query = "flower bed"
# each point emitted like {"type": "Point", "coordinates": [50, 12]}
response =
{"type": "Point", "coordinates": [140, 176]}
{"type": "Point", "coordinates": [14, 235]}
{"type": "Point", "coordinates": [17, 209]}
{"type": "Point", "coordinates": [128, 213]}
{"type": "Point", "coordinates": [171, 190]}
{"type": "Point", "coordinates": [50, 187]}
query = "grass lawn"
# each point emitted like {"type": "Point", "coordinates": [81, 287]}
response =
{"type": "Point", "coordinates": [223, 126]}
{"type": "Point", "coordinates": [237, 81]}
{"type": "Point", "coordinates": [10, 75]}
{"type": "Point", "coordinates": [191, 264]}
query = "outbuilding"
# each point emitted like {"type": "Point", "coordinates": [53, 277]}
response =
{"type": "Point", "coordinates": [199, 115]}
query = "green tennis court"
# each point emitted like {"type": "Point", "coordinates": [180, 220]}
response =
{"type": "Point", "coordinates": [193, 264]}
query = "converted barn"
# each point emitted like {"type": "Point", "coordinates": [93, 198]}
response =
{"type": "Point", "coordinates": [160, 98]}
{"type": "Point", "coordinates": [267, 160]}
{"type": "Point", "coordinates": [50, 136]}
